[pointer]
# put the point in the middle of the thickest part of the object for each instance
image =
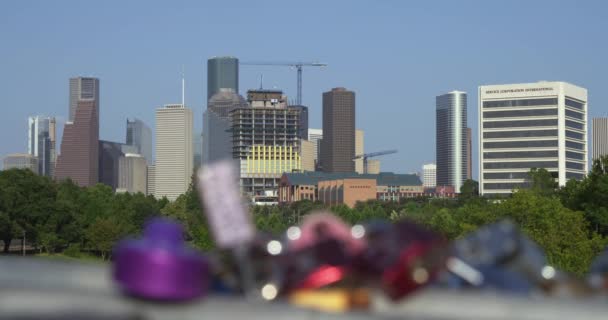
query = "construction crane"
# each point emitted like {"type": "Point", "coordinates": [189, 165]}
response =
{"type": "Point", "coordinates": [372, 155]}
{"type": "Point", "coordinates": [297, 65]}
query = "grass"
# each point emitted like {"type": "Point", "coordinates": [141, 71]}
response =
{"type": "Point", "coordinates": [81, 257]}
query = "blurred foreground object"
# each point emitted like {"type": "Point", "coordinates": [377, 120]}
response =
{"type": "Point", "coordinates": [159, 266]}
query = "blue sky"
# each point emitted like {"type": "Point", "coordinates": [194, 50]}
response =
{"type": "Point", "coordinates": [396, 55]}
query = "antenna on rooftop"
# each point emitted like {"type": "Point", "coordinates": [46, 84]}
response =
{"type": "Point", "coordinates": [261, 81]}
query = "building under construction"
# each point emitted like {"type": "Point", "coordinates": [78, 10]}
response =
{"type": "Point", "coordinates": [265, 141]}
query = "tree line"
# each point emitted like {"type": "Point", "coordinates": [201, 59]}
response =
{"type": "Point", "coordinates": [570, 223]}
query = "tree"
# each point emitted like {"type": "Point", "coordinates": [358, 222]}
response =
{"type": "Point", "coordinates": [542, 182]}
{"type": "Point", "coordinates": [103, 234]}
{"type": "Point", "coordinates": [469, 190]}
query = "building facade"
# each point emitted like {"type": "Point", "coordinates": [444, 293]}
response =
{"type": "Point", "coordinates": [20, 161]}
{"type": "Point", "coordinates": [109, 156]}
{"type": "Point", "coordinates": [373, 166]}
{"type": "Point", "coordinates": [359, 150]}
{"type": "Point", "coordinates": [132, 173]}
{"type": "Point", "coordinates": [222, 72]}
{"type": "Point", "coordinates": [315, 136]}
{"type": "Point", "coordinates": [469, 153]}
{"type": "Point", "coordinates": [531, 125]}
{"type": "Point", "coordinates": [599, 138]}
{"type": "Point", "coordinates": [307, 155]}
{"type": "Point", "coordinates": [217, 135]}
{"type": "Point", "coordinates": [140, 136]}
{"type": "Point", "coordinates": [429, 175]}
{"type": "Point", "coordinates": [79, 157]}
{"type": "Point", "coordinates": [265, 141]}
{"type": "Point", "coordinates": [151, 180]}
{"type": "Point", "coordinates": [451, 139]}
{"type": "Point", "coordinates": [174, 154]}
{"type": "Point", "coordinates": [338, 144]}
{"type": "Point", "coordinates": [41, 143]}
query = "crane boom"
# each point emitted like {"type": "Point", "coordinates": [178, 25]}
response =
{"type": "Point", "coordinates": [371, 155]}
{"type": "Point", "coordinates": [297, 64]}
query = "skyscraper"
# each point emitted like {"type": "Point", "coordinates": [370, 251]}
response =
{"type": "Point", "coordinates": [451, 144]}
{"type": "Point", "coordinates": [139, 135]}
{"type": "Point", "coordinates": [338, 145]}
{"type": "Point", "coordinates": [174, 155]}
{"type": "Point", "coordinates": [217, 138]}
{"type": "Point", "coordinates": [429, 175]}
{"type": "Point", "coordinates": [359, 150]}
{"type": "Point", "coordinates": [600, 137]}
{"type": "Point", "coordinates": [222, 72]}
{"type": "Point", "coordinates": [41, 143]}
{"type": "Point", "coordinates": [469, 154]}
{"type": "Point", "coordinates": [109, 156]}
{"type": "Point", "coordinates": [303, 125]}
{"type": "Point", "coordinates": [132, 173]}
{"type": "Point", "coordinates": [531, 125]}
{"type": "Point", "coordinates": [315, 136]}
{"type": "Point", "coordinates": [79, 158]}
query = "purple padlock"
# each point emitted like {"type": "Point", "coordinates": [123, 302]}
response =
{"type": "Point", "coordinates": [160, 266]}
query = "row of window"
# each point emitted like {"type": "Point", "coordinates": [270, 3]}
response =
{"type": "Point", "coordinates": [575, 155]}
{"type": "Point", "coordinates": [520, 123]}
{"type": "Point", "coordinates": [574, 104]}
{"type": "Point", "coordinates": [574, 175]}
{"type": "Point", "coordinates": [520, 144]}
{"type": "Point", "coordinates": [506, 185]}
{"type": "Point", "coordinates": [574, 165]}
{"type": "Point", "coordinates": [521, 175]}
{"type": "Point", "coordinates": [520, 103]}
{"type": "Point", "coordinates": [575, 145]}
{"type": "Point", "coordinates": [575, 125]}
{"type": "Point", "coordinates": [520, 154]}
{"type": "Point", "coordinates": [511, 175]}
{"type": "Point", "coordinates": [574, 114]}
{"type": "Point", "coordinates": [520, 113]}
{"type": "Point", "coordinates": [574, 135]}
{"type": "Point", "coordinates": [520, 165]}
{"type": "Point", "coordinates": [520, 134]}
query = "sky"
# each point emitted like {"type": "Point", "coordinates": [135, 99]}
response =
{"type": "Point", "coordinates": [396, 55]}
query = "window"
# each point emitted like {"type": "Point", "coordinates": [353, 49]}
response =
{"type": "Point", "coordinates": [520, 134]}
{"type": "Point", "coordinates": [575, 125]}
{"type": "Point", "coordinates": [574, 165]}
{"type": "Point", "coordinates": [520, 154]}
{"type": "Point", "coordinates": [520, 123]}
{"type": "Point", "coordinates": [520, 113]}
{"type": "Point", "coordinates": [511, 175]}
{"type": "Point", "coordinates": [574, 135]}
{"type": "Point", "coordinates": [574, 104]}
{"type": "Point", "coordinates": [575, 145]}
{"type": "Point", "coordinates": [520, 103]}
{"type": "Point", "coordinates": [519, 165]}
{"type": "Point", "coordinates": [505, 185]}
{"type": "Point", "coordinates": [574, 114]}
{"type": "Point", "coordinates": [520, 144]}
{"type": "Point", "coordinates": [574, 175]}
{"type": "Point", "coordinates": [575, 155]}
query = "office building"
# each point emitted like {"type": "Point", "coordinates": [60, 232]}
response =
{"type": "Point", "coordinates": [338, 145]}
{"type": "Point", "coordinates": [373, 166]}
{"type": "Point", "coordinates": [174, 154]}
{"type": "Point", "coordinates": [265, 141]}
{"type": "Point", "coordinates": [222, 72]}
{"type": "Point", "coordinates": [132, 173]}
{"type": "Point", "coordinates": [469, 154]}
{"type": "Point", "coordinates": [531, 125]}
{"type": "Point", "coordinates": [451, 139]}
{"type": "Point", "coordinates": [599, 138]}
{"type": "Point", "coordinates": [79, 157]}
{"type": "Point", "coordinates": [315, 136]}
{"type": "Point", "coordinates": [303, 125]}
{"type": "Point", "coordinates": [41, 143]}
{"type": "Point", "coordinates": [217, 137]}
{"type": "Point", "coordinates": [197, 147]}
{"type": "Point", "coordinates": [151, 180]}
{"type": "Point", "coordinates": [109, 156]}
{"type": "Point", "coordinates": [20, 161]}
{"type": "Point", "coordinates": [140, 136]}
{"type": "Point", "coordinates": [429, 175]}
{"type": "Point", "coordinates": [359, 150]}
{"type": "Point", "coordinates": [307, 154]}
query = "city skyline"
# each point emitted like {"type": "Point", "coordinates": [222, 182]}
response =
{"type": "Point", "coordinates": [400, 104]}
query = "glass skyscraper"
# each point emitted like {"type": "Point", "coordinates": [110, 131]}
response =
{"type": "Point", "coordinates": [41, 143]}
{"type": "Point", "coordinates": [451, 144]}
{"type": "Point", "coordinates": [139, 135]}
{"type": "Point", "coordinates": [222, 72]}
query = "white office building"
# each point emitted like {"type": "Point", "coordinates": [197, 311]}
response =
{"type": "Point", "coordinates": [315, 136]}
{"type": "Point", "coordinates": [132, 173]}
{"type": "Point", "coordinates": [429, 175]}
{"type": "Point", "coordinates": [174, 154]}
{"type": "Point", "coordinates": [531, 125]}
{"type": "Point", "coordinates": [599, 138]}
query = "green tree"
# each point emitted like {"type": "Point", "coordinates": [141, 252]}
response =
{"type": "Point", "coordinates": [542, 182]}
{"type": "Point", "coordinates": [103, 234]}
{"type": "Point", "coordinates": [469, 190]}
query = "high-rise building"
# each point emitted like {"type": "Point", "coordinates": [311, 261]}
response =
{"type": "Point", "coordinates": [174, 153]}
{"type": "Point", "coordinates": [41, 143]}
{"type": "Point", "coordinates": [79, 157]}
{"type": "Point", "coordinates": [307, 154]}
{"type": "Point", "coordinates": [53, 136]}
{"type": "Point", "coordinates": [222, 72]}
{"type": "Point", "coordinates": [140, 136]}
{"type": "Point", "coordinates": [600, 137]}
{"type": "Point", "coordinates": [82, 89]}
{"type": "Point", "coordinates": [151, 180]}
{"type": "Point", "coordinates": [217, 138]}
{"type": "Point", "coordinates": [359, 150]}
{"type": "Point", "coordinates": [109, 156]}
{"type": "Point", "coordinates": [265, 141]}
{"type": "Point", "coordinates": [338, 145]}
{"type": "Point", "coordinates": [303, 125]}
{"type": "Point", "coordinates": [315, 136]}
{"type": "Point", "coordinates": [20, 161]}
{"type": "Point", "coordinates": [469, 154]}
{"type": "Point", "coordinates": [197, 147]}
{"type": "Point", "coordinates": [531, 125]}
{"type": "Point", "coordinates": [429, 175]}
{"type": "Point", "coordinates": [451, 144]}
{"type": "Point", "coordinates": [132, 173]}
{"type": "Point", "coordinates": [373, 166]}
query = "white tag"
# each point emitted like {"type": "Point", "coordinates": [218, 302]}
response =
{"type": "Point", "coordinates": [229, 220]}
